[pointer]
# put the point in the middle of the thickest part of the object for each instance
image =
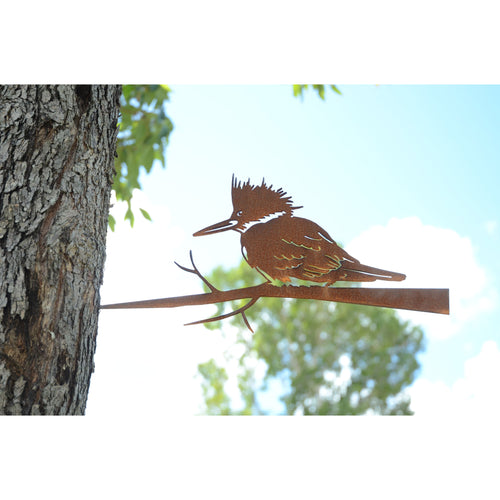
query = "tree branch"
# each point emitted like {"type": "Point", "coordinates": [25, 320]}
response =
{"type": "Point", "coordinates": [435, 300]}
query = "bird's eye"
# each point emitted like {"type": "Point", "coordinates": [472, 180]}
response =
{"type": "Point", "coordinates": [239, 213]}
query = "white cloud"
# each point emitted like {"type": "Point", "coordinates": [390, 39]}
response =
{"type": "Point", "coordinates": [431, 257]}
{"type": "Point", "coordinates": [474, 394]}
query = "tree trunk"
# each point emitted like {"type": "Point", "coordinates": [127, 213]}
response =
{"type": "Point", "coordinates": [57, 147]}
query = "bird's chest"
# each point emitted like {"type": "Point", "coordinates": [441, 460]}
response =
{"type": "Point", "coordinates": [262, 243]}
{"type": "Point", "coordinates": [255, 243]}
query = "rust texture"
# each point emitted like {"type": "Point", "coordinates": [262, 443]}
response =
{"type": "Point", "coordinates": [433, 300]}
{"type": "Point", "coordinates": [284, 248]}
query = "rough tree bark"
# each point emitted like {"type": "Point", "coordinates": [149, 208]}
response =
{"type": "Point", "coordinates": [57, 147]}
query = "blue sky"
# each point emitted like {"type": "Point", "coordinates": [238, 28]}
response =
{"type": "Point", "coordinates": [405, 176]}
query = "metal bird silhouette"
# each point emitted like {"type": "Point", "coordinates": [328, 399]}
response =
{"type": "Point", "coordinates": [281, 246]}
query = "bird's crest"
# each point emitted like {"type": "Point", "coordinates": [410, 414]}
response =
{"type": "Point", "coordinates": [258, 201]}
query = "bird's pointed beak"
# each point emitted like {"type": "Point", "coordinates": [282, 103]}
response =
{"type": "Point", "coordinates": [217, 228]}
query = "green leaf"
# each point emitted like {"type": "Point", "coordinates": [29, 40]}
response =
{"type": "Point", "coordinates": [111, 222]}
{"type": "Point", "coordinates": [298, 90]}
{"type": "Point", "coordinates": [129, 215]}
{"type": "Point", "coordinates": [145, 214]}
{"type": "Point", "coordinates": [335, 89]}
{"type": "Point", "coordinates": [320, 89]}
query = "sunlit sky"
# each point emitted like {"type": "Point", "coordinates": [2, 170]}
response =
{"type": "Point", "coordinates": [406, 177]}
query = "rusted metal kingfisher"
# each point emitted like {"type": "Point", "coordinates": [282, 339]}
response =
{"type": "Point", "coordinates": [281, 246]}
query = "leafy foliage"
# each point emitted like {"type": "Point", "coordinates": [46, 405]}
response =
{"type": "Point", "coordinates": [142, 139]}
{"type": "Point", "coordinates": [298, 90]}
{"type": "Point", "coordinates": [329, 359]}
{"type": "Point", "coordinates": [214, 394]}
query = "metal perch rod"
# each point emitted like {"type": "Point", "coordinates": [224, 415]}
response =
{"type": "Point", "coordinates": [434, 300]}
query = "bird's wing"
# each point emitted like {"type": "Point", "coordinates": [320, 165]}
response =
{"type": "Point", "coordinates": [307, 246]}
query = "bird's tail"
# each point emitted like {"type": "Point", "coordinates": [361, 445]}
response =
{"type": "Point", "coordinates": [359, 272]}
